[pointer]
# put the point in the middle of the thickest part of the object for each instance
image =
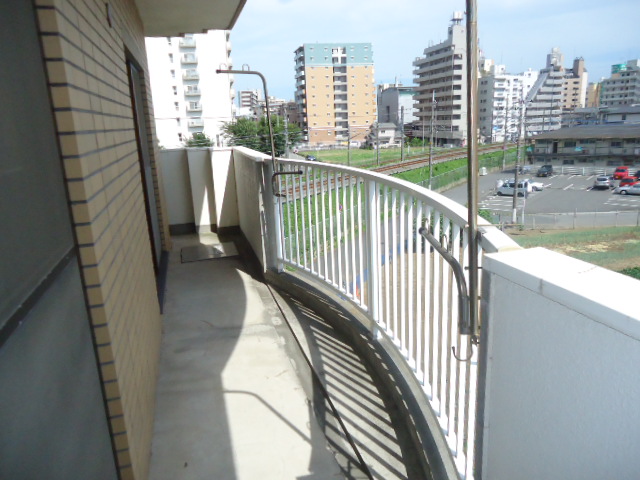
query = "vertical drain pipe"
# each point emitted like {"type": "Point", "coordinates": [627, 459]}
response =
{"type": "Point", "coordinates": [472, 155]}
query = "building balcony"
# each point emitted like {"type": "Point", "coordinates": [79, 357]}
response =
{"type": "Point", "coordinates": [192, 91]}
{"type": "Point", "coordinates": [194, 107]}
{"type": "Point", "coordinates": [190, 75]}
{"type": "Point", "coordinates": [343, 277]}
{"type": "Point", "coordinates": [195, 123]}
{"type": "Point", "coordinates": [188, 58]}
{"type": "Point", "coordinates": [187, 42]}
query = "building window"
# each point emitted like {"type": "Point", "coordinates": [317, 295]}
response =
{"type": "Point", "coordinates": [173, 74]}
{"type": "Point", "coordinates": [171, 57]}
{"type": "Point", "coordinates": [176, 105]}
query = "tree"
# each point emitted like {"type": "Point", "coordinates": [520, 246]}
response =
{"type": "Point", "coordinates": [198, 139]}
{"type": "Point", "coordinates": [255, 135]}
{"type": "Point", "coordinates": [243, 133]}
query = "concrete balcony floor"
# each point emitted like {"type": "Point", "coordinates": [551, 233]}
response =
{"type": "Point", "coordinates": [236, 398]}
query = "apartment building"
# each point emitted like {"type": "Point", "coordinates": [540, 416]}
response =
{"type": "Point", "coordinates": [499, 99]}
{"type": "Point", "coordinates": [396, 104]}
{"type": "Point", "coordinates": [623, 87]}
{"type": "Point", "coordinates": [441, 74]}
{"type": "Point", "coordinates": [593, 95]}
{"type": "Point", "coordinates": [574, 89]}
{"type": "Point", "coordinates": [335, 91]}
{"type": "Point", "coordinates": [248, 98]}
{"type": "Point", "coordinates": [85, 235]}
{"type": "Point", "coordinates": [183, 82]}
{"type": "Point", "coordinates": [556, 90]}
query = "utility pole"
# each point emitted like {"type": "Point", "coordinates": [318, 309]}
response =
{"type": "Point", "coordinates": [348, 145]}
{"type": "Point", "coordinates": [506, 124]}
{"type": "Point", "coordinates": [286, 135]}
{"type": "Point", "coordinates": [515, 186]}
{"type": "Point", "coordinates": [378, 143]}
{"type": "Point", "coordinates": [472, 185]}
{"type": "Point", "coordinates": [401, 134]}
{"type": "Point", "coordinates": [433, 108]}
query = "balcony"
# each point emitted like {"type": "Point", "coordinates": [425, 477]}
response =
{"type": "Point", "coordinates": [343, 249]}
{"type": "Point", "coordinates": [188, 58]}
{"type": "Point", "coordinates": [195, 123]}
{"type": "Point", "coordinates": [187, 42]}
{"type": "Point", "coordinates": [192, 90]}
{"type": "Point", "coordinates": [194, 107]}
{"type": "Point", "coordinates": [190, 75]}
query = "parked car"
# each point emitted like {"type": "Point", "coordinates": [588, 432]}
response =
{"type": "Point", "coordinates": [628, 189]}
{"type": "Point", "coordinates": [602, 182]}
{"type": "Point", "coordinates": [628, 181]}
{"type": "Point", "coordinates": [621, 172]}
{"type": "Point", "coordinates": [536, 186]}
{"type": "Point", "coordinates": [545, 171]}
{"type": "Point", "coordinates": [312, 158]}
{"type": "Point", "coordinates": [507, 188]}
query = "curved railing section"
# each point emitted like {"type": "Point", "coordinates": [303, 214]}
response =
{"type": "Point", "coordinates": [359, 232]}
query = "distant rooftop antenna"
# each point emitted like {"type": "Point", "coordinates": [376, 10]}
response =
{"type": "Point", "coordinates": [456, 19]}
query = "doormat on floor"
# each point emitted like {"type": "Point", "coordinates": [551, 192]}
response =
{"type": "Point", "coordinates": [208, 252]}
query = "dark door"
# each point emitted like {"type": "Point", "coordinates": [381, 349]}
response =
{"type": "Point", "coordinates": [153, 223]}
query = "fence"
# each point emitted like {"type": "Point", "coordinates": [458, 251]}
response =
{"type": "Point", "coordinates": [357, 231]}
{"type": "Point", "coordinates": [571, 220]}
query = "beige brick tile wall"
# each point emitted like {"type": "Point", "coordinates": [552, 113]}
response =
{"type": "Point", "coordinates": [86, 62]}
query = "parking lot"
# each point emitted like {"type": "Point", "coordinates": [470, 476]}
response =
{"type": "Point", "coordinates": [562, 193]}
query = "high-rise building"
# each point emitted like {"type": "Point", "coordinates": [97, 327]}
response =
{"type": "Point", "coordinates": [335, 91]}
{"type": "Point", "coordinates": [248, 98]}
{"type": "Point", "coordinates": [623, 87]}
{"type": "Point", "coordinates": [556, 89]}
{"type": "Point", "coordinates": [575, 86]}
{"type": "Point", "coordinates": [441, 75]}
{"type": "Point", "coordinates": [185, 86]}
{"type": "Point", "coordinates": [499, 98]}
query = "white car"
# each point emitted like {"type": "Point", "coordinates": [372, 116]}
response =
{"type": "Point", "coordinates": [628, 189]}
{"type": "Point", "coordinates": [507, 188]}
{"type": "Point", "coordinates": [536, 186]}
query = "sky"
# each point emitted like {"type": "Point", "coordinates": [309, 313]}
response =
{"type": "Point", "coordinates": [515, 33]}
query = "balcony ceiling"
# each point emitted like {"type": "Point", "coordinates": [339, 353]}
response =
{"type": "Point", "coordinates": [171, 18]}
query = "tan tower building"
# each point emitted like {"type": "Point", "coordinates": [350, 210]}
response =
{"type": "Point", "coordinates": [335, 91]}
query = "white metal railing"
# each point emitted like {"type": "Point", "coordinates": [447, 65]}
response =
{"type": "Point", "coordinates": [357, 231]}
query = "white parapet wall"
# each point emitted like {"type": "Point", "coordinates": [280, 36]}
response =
{"type": "Point", "coordinates": [562, 384]}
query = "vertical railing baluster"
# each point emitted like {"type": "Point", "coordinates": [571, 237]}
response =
{"type": "Point", "coordinates": [394, 272]}
{"type": "Point", "coordinates": [436, 319]}
{"type": "Point", "coordinates": [387, 262]}
{"type": "Point", "coordinates": [303, 222]}
{"type": "Point", "coordinates": [324, 177]}
{"type": "Point", "coordinates": [421, 317]}
{"type": "Point", "coordinates": [362, 227]}
{"type": "Point", "coordinates": [372, 239]}
{"type": "Point", "coordinates": [402, 260]}
{"type": "Point", "coordinates": [411, 284]}
{"type": "Point", "coordinates": [331, 186]}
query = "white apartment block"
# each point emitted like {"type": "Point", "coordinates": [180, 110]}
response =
{"type": "Point", "coordinates": [396, 104]}
{"type": "Point", "coordinates": [623, 87]}
{"type": "Point", "coordinates": [499, 99]}
{"type": "Point", "coordinates": [188, 95]}
{"type": "Point", "coordinates": [442, 74]}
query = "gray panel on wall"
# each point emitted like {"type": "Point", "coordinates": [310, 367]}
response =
{"type": "Point", "coordinates": [52, 418]}
{"type": "Point", "coordinates": [34, 215]}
